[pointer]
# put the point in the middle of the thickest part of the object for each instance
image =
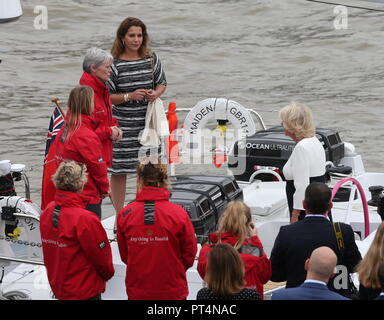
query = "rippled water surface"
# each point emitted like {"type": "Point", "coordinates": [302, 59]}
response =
{"type": "Point", "coordinates": [259, 53]}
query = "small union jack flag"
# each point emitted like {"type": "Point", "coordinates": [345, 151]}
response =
{"type": "Point", "coordinates": [57, 121]}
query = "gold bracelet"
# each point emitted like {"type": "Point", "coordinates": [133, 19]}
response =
{"type": "Point", "coordinates": [126, 97]}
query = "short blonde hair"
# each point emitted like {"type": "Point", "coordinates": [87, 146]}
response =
{"type": "Point", "coordinates": [70, 176]}
{"type": "Point", "coordinates": [235, 219]}
{"type": "Point", "coordinates": [297, 118]}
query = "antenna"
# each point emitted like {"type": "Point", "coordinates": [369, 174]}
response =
{"type": "Point", "coordinates": [350, 6]}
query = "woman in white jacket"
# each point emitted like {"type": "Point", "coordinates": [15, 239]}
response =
{"type": "Point", "coordinates": [307, 161]}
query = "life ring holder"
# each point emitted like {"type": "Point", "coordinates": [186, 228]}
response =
{"type": "Point", "coordinates": [220, 109]}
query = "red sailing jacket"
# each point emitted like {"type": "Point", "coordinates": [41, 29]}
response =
{"type": "Point", "coordinates": [84, 146]}
{"type": "Point", "coordinates": [77, 253]}
{"type": "Point", "coordinates": [258, 269]}
{"type": "Point", "coordinates": [102, 114]}
{"type": "Point", "coordinates": [157, 248]}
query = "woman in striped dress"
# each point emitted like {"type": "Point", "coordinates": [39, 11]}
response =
{"type": "Point", "coordinates": [137, 78]}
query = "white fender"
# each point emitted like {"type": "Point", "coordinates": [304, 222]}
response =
{"type": "Point", "coordinates": [219, 109]}
{"type": "Point", "coordinates": [10, 10]}
{"type": "Point", "coordinates": [28, 217]}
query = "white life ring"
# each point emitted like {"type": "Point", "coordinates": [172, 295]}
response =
{"type": "Point", "coordinates": [219, 109]}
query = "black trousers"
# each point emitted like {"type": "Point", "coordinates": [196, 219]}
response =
{"type": "Point", "coordinates": [290, 191]}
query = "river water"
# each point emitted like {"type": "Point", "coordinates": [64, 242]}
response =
{"type": "Point", "coordinates": [260, 53]}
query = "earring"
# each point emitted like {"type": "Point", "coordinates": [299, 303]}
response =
{"type": "Point", "coordinates": [124, 43]}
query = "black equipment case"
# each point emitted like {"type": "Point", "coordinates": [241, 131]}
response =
{"type": "Point", "coordinates": [272, 148]}
{"type": "Point", "coordinates": [204, 198]}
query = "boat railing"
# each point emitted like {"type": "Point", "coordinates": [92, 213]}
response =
{"type": "Point", "coordinates": [265, 170]}
{"type": "Point", "coordinates": [18, 174]}
{"type": "Point", "coordinates": [356, 186]}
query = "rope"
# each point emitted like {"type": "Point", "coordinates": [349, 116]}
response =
{"type": "Point", "coordinates": [12, 295]}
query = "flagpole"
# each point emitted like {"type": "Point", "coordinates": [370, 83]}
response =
{"type": "Point", "coordinates": [56, 102]}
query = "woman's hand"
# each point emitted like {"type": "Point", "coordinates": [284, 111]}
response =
{"type": "Point", "coordinates": [117, 133]}
{"type": "Point", "coordinates": [252, 231]}
{"type": "Point", "coordinates": [152, 95]}
{"type": "Point", "coordinates": [139, 94]}
{"type": "Point", "coordinates": [295, 215]}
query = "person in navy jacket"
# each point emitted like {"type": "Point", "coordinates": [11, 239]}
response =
{"type": "Point", "coordinates": [320, 267]}
{"type": "Point", "coordinates": [295, 242]}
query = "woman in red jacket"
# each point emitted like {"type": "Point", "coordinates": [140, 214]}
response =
{"type": "Point", "coordinates": [237, 229]}
{"type": "Point", "coordinates": [97, 70]}
{"type": "Point", "coordinates": [77, 253]}
{"type": "Point", "coordinates": [156, 238]}
{"type": "Point", "coordinates": [77, 141]}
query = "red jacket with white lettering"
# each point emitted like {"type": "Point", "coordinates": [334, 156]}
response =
{"type": "Point", "coordinates": [157, 248]}
{"type": "Point", "coordinates": [102, 114]}
{"type": "Point", "coordinates": [84, 146]}
{"type": "Point", "coordinates": [257, 266]}
{"type": "Point", "coordinates": [77, 253]}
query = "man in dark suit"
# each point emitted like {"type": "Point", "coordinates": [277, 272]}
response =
{"type": "Point", "coordinates": [320, 267]}
{"type": "Point", "coordinates": [295, 242]}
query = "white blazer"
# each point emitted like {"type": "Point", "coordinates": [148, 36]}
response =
{"type": "Point", "coordinates": [307, 160]}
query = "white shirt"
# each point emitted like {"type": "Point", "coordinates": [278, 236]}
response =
{"type": "Point", "coordinates": [307, 160]}
{"type": "Point", "coordinates": [315, 281]}
{"type": "Point", "coordinates": [316, 215]}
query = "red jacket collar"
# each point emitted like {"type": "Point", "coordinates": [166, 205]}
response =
{"type": "Point", "coordinates": [95, 83]}
{"type": "Point", "coordinates": [88, 121]}
{"type": "Point", "coordinates": [226, 237]}
{"type": "Point", "coordinates": [69, 199]}
{"type": "Point", "coordinates": [152, 193]}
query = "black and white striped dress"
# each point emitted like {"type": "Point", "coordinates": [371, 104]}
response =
{"type": "Point", "coordinates": [128, 76]}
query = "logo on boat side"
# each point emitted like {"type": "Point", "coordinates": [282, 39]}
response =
{"type": "Point", "coordinates": [102, 244]}
{"type": "Point", "coordinates": [266, 146]}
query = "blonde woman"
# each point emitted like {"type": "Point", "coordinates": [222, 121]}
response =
{"type": "Point", "coordinates": [236, 228]}
{"type": "Point", "coordinates": [137, 77]}
{"type": "Point", "coordinates": [78, 141]}
{"type": "Point", "coordinates": [156, 238]}
{"type": "Point", "coordinates": [368, 268]}
{"type": "Point", "coordinates": [225, 276]}
{"type": "Point", "coordinates": [76, 250]}
{"type": "Point", "coordinates": [307, 161]}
